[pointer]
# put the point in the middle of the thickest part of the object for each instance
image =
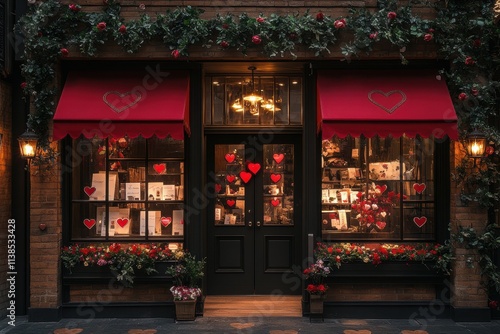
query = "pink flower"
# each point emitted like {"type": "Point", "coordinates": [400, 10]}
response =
{"type": "Point", "coordinates": [261, 19]}
{"type": "Point", "coordinates": [64, 52]}
{"type": "Point", "coordinates": [175, 53]}
{"type": "Point", "coordinates": [142, 6]}
{"type": "Point", "coordinates": [122, 29]}
{"type": "Point", "coordinates": [23, 85]}
{"type": "Point", "coordinates": [391, 15]}
{"type": "Point", "coordinates": [101, 26]}
{"type": "Point", "coordinates": [428, 37]}
{"type": "Point", "coordinates": [256, 39]}
{"type": "Point", "coordinates": [74, 8]}
{"type": "Point", "coordinates": [224, 44]}
{"type": "Point", "coordinates": [462, 96]}
{"type": "Point", "coordinates": [339, 24]}
{"type": "Point", "coordinates": [430, 30]}
{"type": "Point", "coordinates": [373, 35]}
{"type": "Point", "coordinates": [469, 61]}
{"type": "Point", "coordinates": [320, 16]}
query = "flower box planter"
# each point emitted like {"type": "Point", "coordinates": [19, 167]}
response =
{"type": "Point", "coordinates": [185, 309]}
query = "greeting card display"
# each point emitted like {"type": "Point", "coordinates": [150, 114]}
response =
{"type": "Point", "coordinates": [178, 222]}
{"type": "Point", "coordinates": [99, 186]}
{"type": "Point", "coordinates": [154, 223]}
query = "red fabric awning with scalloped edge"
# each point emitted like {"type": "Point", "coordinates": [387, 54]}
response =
{"type": "Point", "coordinates": [135, 103]}
{"type": "Point", "coordinates": [375, 102]}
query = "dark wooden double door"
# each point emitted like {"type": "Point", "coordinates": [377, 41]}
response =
{"type": "Point", "coordinates": [254, 214]}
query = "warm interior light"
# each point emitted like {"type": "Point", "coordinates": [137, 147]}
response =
{"type": "Point", "coordinates": [27, 144]}
{"type": "Point", "coordinates": [476, 148]}
{"type": "Point", "coordinates": [237, 106]}
{"type": "Point", "coordinates": [476, 144]}
{"type": "Point", "coordinates": [253, 97]}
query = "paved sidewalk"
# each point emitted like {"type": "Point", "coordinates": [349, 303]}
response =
{"type": "Point", "coordinates": [266, 325]}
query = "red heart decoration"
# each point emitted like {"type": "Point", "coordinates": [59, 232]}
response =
{"type": "Point", "coordinates": [122, 222]}
{"type": "Point", "coordinates": [231, 202]}
{"type": "Point", "coordinates": [230, 178]}
{"type": "Point", "coordinates": [275, 202]}
{"type": "Point", "coordinates": [389, 101]}
{"type": "Point", "coordinates": [165, 221]}
{"type": "Point", "coordinates": [89, 190]}
{"type": "Point", "coordinates": [254, 167]}
{"type": "Point", "coordinates": [89, 223]}
{"type": "Point", "coordinates": [245, 176]}
{"type": "Point", "coordinates": [278, 157]}
{"type": "Point", "coordinates": [229, 157]}
{"type": "Point", "coordinates": [218, 188]}
{"type": "Point", "coordinates": [382, 188]}
{"type": "Point", "coordinates": [275, 177]}
{"type": "Point", "coordinates": [420, 221]}
{"type": "Point", "coordinates": [381, 225]}
{"type": "Point", "coordinates": [419, 187]}
{"type": "Point", "coordinates": [160, 168]}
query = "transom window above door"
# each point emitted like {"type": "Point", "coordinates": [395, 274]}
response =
{"type": "Point", "coordinates": [253, 100]}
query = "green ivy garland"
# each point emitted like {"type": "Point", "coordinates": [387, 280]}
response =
{"type": "Point", "coordinates": [464, 32]}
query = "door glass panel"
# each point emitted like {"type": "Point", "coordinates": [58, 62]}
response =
{"type": "Point", "coordinates": [229, 188]}
{"type": "Point", "coordinates": [278, 184]}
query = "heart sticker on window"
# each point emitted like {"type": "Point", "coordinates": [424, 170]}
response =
{"type": "Point", "coordinates": [230, 157]}
{"type": "Point", "coordinates": [381, 188]}
{"type": "Point", "coordinates": [122, 222]}
{"type": "Point", "coordinates": [89, 190]}
{"type": "Point", "coordinates": [230, 178]}
{"type": "Point", "coordinates": [381, 225]}
{"type": "Point", "coordinates": [254, 167]}
{"type": "Point", "coordinates": [245, 176]}
{"type": "Point", "coordinates": [89, 223]}
{"type": "Point", "coordinates": [165, 221]}
{"type": "Point", "coordinates": [275, 178]}
{"type": "Point", "coordinates": [275, 202]}
{"type": "Point", "coordinates": [160, 168]}
{"type": "Point", "coordinates": [278, 157]}
{"type": "Point", "coordinates": [231, 202]}
{"type": "Point", "coordinates": [420, 221]}
{"type": "Point", "coordinates": [419, 187]}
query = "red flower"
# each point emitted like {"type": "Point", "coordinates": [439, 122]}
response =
{"type": "Point", "coordinates": [462, 96]}
{"type": "Point", "coordinates": [311, 288]}
{"type": "Point", "coordinates": [428, 37]}
{"type": "Point", "coordinates": [321, 288]}
{"type": "Point", "coordinates": [391, 15]}
{"type": "Point", "coordinates": [101, 26]}
{"type": "Point", "coordinates": [476, 43]}
{"type": "Point", "coordinates": [64, 52]}
{"type": "Point", "coordinates": [307, 271]}
{"type": "Point", "coordinates": [493, 304]}
{"type": "Point", "coordinates": [489, 150]}
{"type": "Point", "coordinates": [261, 19]}
{"type": "Point", "coordinates": [330, 250]}
{"type": "Point", "coordinates": [474, 92]}
{"type": "Point", "coordinates": [430, 30]}
{"type": "Point", "coordinates": [225, 26]}
{"type": "Point", "coordinates": [320, 16]}
{"type": "Point", "coordinates": [175, 53]}
{"type": "Point", "coordinates": [373, 35]}
{"type": "Point", "coordinates": [122, 29]}
{"type": "Point", "coordinates": [469, 61]}
{"type": "Point", "coordinates": [23, 85]}
{"type": "Point", "coordinates": [339, 24]}
{"type": "Point", "coordinates": [224, 44]}
{"type": "Point", "coordinates": [74, 8]}
{"type": "Point", "coordinates": [256, 39]}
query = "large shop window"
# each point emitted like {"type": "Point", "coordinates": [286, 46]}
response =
{"type": "Point", "coordinates": [128, 188]}
{"type": "Point", "coordinates": [378, 188]}
{"type": "Point", "coordinates": [381, 133]}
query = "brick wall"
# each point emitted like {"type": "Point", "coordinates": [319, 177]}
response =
{"type": "Point", "coordinates": [5, 186]}
{"type": "Point", "coordinates": [45, 291]}
{"type": "Point", "coordinates": [467, 291]}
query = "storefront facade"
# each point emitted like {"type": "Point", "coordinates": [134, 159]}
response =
{"type": "Point", "coordinates": [250, 162]}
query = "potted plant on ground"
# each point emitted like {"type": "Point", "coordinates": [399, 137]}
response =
{"type": "Point", "coordinates": [187, 274]}
{"type": "Point", "coordinates": [315, 275]}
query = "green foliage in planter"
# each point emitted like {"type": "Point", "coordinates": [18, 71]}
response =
{"type": "Point", "coordinates": [188, 271]}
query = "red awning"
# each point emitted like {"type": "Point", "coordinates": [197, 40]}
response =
{"type": "Point", "coordinates": [132, 102]}
{"type": "Point", "coordinates": [384, 103]}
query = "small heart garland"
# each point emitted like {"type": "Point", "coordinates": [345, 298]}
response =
{"type": "Point", "coordinates": [245, 176]}
{"type": "Point", "coordinates": [89, 190]}
{"type": "Point", "coordinates": [230, 157]}
{"type": "Point", "coordinates": [419, 187]}
{"type": "Point", "coordinates": [278, 157]}
{"type": "Point", "coordinates": [89, 223]}
{"type": "Point", "coordinates": [254, 167]}
{"type": "Point", "coordinates": [230, 178]}
{"type": "Point", "coordinates": [275, 178]}
{"type": "Point", "coordinates": [420, 221]}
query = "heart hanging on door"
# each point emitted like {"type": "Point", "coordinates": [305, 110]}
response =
{"type": "Point", "coordinates": [230, 157]}
{"type": "Point", "coordinates": [275, 202]}
{"type": "Point", "coordinates": [278, 157]}
{"type": "Point", "coordinates": [89, 190]}
{"type": "Point", "coordinates": [89, 223]}
{"type": "Point", "coordinates": [275, 178]}
{"type": "Point", "coordinates": [245, 176]}
{"type": "Point", "coordinates": [420, 221]}
{"type": "Point", "coordinates": [419, 187]}
{"type": "Point", "coordinates": [122, 222]}
{"type": "Point", "coordinates": [230, 178]}
{"type": "Point", "coordinates": [160, 168]}
{"type": "Point", "coordinates": [165, 221]}
{"type": "Point", "coordinates": [231, 202]}
{"type": "Point", "coordinates": [254, 167]}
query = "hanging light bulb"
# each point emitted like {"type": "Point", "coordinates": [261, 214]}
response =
{"type": "Point", "coordinates": [253, 97]}
{"type": "Point", "coordinates": [237, 105]}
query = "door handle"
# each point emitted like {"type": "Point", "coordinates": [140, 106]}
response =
{"type": "Point", "coordinates": [249, 224]}
{"type": "Point", "coordinates": [258, 223]}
